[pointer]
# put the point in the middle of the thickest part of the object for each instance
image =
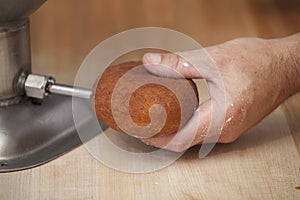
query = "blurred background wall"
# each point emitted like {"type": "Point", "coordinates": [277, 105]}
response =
{"type": "Point", "coordinates": [63, 32]}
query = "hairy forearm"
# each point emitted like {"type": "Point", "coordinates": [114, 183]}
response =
{"type": "Point", "coordinates": [287, 56]}
{"type": "Point", "coordinates": [294, 45]}
{"type": "Point", "coordinates": [297, 60]}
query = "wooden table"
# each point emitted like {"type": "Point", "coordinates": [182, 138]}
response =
{"type": "Point", "coordinates": [263, 164]}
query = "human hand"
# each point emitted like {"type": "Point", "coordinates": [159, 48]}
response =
{"type": "Point", "coordinates": [255, 75]}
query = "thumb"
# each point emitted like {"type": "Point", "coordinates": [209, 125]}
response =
{"type": "Point", "coordinates": [170, 65]}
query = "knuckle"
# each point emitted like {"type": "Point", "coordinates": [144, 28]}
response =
{"type": "Point", "coordinates": [174, 61]}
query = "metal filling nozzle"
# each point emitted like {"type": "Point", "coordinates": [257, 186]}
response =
{"type": "Point", "coordinates": [40, 86]}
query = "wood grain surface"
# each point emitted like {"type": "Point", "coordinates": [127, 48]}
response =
{"type": "Point", "coordinates": [263, 164]}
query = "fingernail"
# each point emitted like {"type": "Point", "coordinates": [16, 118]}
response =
{"type": "Point", "coordinates": [153, 58]}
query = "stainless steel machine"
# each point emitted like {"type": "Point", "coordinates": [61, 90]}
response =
{"type": "Point", "coordinates": [31, 132]}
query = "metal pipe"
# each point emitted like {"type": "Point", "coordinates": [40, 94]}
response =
{"type": "Point", "coordinates": [40, 86]}
{"type": "Point", "coordinates": [69, 91]}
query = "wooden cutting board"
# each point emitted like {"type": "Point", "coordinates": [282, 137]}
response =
{"type": "Point", "coordinates": [263, 164]}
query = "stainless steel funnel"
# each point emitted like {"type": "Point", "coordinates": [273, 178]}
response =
{"type": "Point", "coordinates": [14, 10]}
{"type": "Point", "coordinates": [30, 134]}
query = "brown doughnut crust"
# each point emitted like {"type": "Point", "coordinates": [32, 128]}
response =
{"type": "Point", "coordinates": [142, 99]}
